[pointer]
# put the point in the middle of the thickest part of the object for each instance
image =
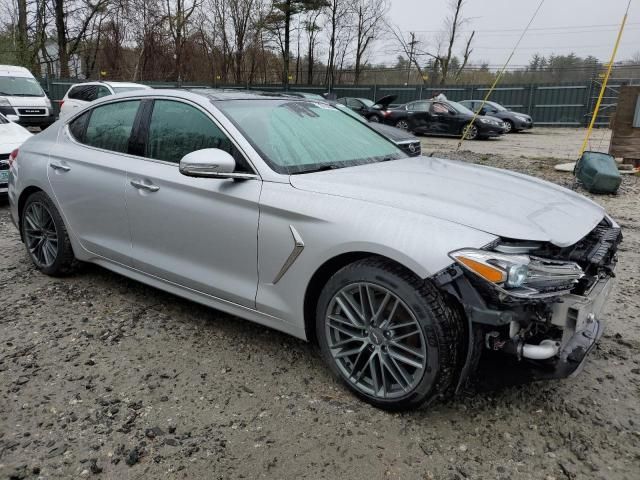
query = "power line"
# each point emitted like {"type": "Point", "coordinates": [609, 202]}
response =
{"type": "Point", "coordinates": [518, 31]}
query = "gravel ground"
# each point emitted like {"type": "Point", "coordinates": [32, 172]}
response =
{"type": "Point", "coordinates": [104, 377]}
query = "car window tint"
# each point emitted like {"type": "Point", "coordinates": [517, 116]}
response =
{"type": "Point", "coordinates": [110, 126]}
{"type": "Point", "coordinates": [102, 92]}
{"type": "Point", "coordinates": [177, 129]}
{"type": "Point", "coordinates": [86, 93]}
{"type": "Point", "coordinates": [353, 103]}
{"type": "Point", "coordinates": [77, 126]}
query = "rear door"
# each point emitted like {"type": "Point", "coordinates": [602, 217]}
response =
{"type": "Point", "coordinates": [201, 233]}
{"type": "Point", "coordinates": [87, 172]}
{"type": "Point", "coordinates": [418, 116]}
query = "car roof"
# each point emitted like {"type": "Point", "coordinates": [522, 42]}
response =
{"type": "Point", "coordinates": [112, 84]}
{"type": "Point", "coordinates": [15, 71]}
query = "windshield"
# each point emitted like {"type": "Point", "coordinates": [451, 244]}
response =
{"type": "Point", "coordinates": [497, 106]}
{"type": "Point", "coordinates": [126, 89]}
{"type": "Point", "coordinates": [460, 108]}
{"type": "Point", "coordinates": [20, 87]}
{"type": "Point", "coordinates": [304, 136]}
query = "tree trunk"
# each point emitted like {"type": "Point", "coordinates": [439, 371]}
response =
{"type": "Point", "coordinates": [287, 32]}
{"type": "Point", "coordinates": [63, 55]}
{"type": "Point", "coordinates": [23, 53]}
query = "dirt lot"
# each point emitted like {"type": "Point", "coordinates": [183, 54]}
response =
{"type": "Point", "coordinates": [104, 377]}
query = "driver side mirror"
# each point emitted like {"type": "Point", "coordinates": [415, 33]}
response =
{"type": "Point", "coordinates": [208, 163]}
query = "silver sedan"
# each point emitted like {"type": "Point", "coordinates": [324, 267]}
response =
{"type": "Point", "coordinates": [292, 214]}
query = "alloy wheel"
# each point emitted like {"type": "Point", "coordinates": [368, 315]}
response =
{"type": "Point", "coordinates": [471, 132]}
{"type": "Point", "coordinates": [374, 119]}
{"type": "Point", "coordinates": [507, 127]}
{"type": "Point", "coordinates": [375, 340]}
{"type": "Point", "coordinates": [41, 235]}
{"type": "Point", "coordinates": [403, 125]}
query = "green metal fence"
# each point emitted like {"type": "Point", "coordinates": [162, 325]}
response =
{"type": "Point", "coordinates": [559, 105]}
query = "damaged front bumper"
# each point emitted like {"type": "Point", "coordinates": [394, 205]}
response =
{"type": "Point", "coordinates": [549, 338]}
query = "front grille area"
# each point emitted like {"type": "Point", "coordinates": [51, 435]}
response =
{"type": "Point", "coordinates": [31, 111]}
{"type": "Point", "coordinates": [412, 149]}
{"type": "Point", "coordinates": [595, 253]}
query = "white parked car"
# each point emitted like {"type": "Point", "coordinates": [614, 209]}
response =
{"type": "Point", "coordinates": [21, 95]}
{"type": "Point", "coordinates": [82, 93]}
{"type": "Point", "coordinates": [11, 137]}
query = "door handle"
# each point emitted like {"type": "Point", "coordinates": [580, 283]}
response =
{"type": "Point", "coordinates": [59, 166]}
{"type": "Point", "coordinates": [140, 185]}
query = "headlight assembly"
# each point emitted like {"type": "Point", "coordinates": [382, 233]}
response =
{"type": "Point", "coordinates": [522, 118]}
{"type": "Point", "coordinates": [518, 275]}
{"type": "Point", "coordinates": [4, 102]}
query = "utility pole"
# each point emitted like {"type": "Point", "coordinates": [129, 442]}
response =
{"type": "Point", "coordinates": [412, 48]}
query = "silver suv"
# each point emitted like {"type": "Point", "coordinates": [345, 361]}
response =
{"type": "Point", "coordinates": [290, 213]}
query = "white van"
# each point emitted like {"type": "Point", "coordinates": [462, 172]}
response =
{"type": "Point", "coordinates": [22, 96]}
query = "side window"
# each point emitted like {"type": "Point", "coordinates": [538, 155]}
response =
{"type": "Point", "coordinates": [78, 127]}
{"type": "Point", "coordinates": [110, 126]}
{"type": "Point", "coordinates": [420, 107]}
{"type": "Point", "coordinates": [177, 129]}
{"type": "Point", "coordinates": [439, 108]}
{"type": "Point", "coordinates": [353, 103]}
{"type": "Point", "coordinates": [86, 93]}
{"type": "Point", "coordinates": [102, 91]}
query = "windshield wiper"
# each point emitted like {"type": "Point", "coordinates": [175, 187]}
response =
{"type": "Point", "coordinates": [322, 168]}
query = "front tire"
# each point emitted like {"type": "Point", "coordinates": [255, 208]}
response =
{"type": "Point", "coordinates": [45, 236]}
{"type": "Point", "coordinates": [388, 335]}
{"type": "Point", "coordinates": [403, 124]}
{"type": "Point", "coordinates": [470, 132]}
{"type": "Point", "coordinates": [509, 127]}
{"type": "Point", "coordinates": [374, 119]}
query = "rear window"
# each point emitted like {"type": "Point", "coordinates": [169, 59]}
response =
{"type": "Point", "coordinates": [109, 126]}
{"type": "Point", "coordinates": [85, 93]}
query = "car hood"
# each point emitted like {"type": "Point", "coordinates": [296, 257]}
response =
{"type": "Point", "coordinates": [11, 136]}
{"type": "Point", "coordinates": [499, 202]}
{"type": "Point", "coordinates": [393, 133]}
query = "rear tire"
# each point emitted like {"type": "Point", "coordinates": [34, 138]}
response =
{"type": "Point", "coordinates": [45, 236]}
{"type": "Point", "coordinates": [374, 119]}
{"type": "Point", "coordinates": [395, 354]}
{"type": "Point", "coordinates": [403, 124]}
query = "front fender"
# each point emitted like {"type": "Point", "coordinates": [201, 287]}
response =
{"type": "Point", "coordinates": [330, 226]}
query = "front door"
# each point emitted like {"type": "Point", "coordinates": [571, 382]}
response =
{"type": "Point", "coordinates": [201, 233]}
{"type": "Point", "coordinates": [87, 172]}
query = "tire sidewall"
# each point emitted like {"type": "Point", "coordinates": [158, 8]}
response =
{"type": "Point", "coordinates": [415, 302]}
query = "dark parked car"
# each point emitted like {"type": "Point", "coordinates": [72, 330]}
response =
{"type": "Point", "coordinates": [514, 121]}
{"type": "Point", "coordinates": [408, 142]}
{"type": "Point", "coordinates": [439, 117]}
{"type": "Point", "coordinates": [372, 111]}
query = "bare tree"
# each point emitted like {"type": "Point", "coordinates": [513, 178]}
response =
{"type": "Point", "coordinates": [178, 13]}
{"type": "Point", "coordinates": [454, 22]}
{"type": "Point", "coordinates": [72, 19]}
{"type": "Point", "coordinates": [413, 47]}
{"type": "Point", "coordinates": [369, 18]}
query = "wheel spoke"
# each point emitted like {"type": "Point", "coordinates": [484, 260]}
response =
{"type": "Point", "coordinates": [392, 314]}
{"type": "Point", "coordinates": [348, 353]}
{"type": "Point", "coordinates": [349, 310]}
{"type": "Point", "coordinates": [391, 369]}
{"type": "Point", "coordinates": [404, 359]}
{"type": "Point", "coordinates": [407, 335]}
{"type": "Point", "coordinates": [407, 349]}
{"type": "Point", "coordinates": [406, 378]}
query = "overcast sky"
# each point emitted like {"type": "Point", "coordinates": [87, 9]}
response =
{"type": "Point", "coordinates": [585, 27]}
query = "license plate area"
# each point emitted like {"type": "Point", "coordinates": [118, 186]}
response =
{"type": "Point", "coordinates": [4, 176]}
